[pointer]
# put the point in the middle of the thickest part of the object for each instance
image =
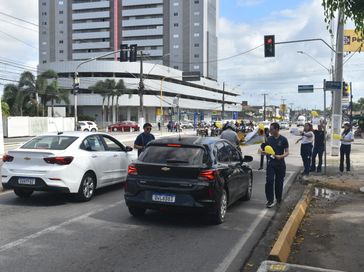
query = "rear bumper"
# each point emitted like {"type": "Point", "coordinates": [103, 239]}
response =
{"type": "Point", "coordinates": [40, 185]}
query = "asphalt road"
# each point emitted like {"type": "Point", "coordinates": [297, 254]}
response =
{"type": "Point", "coordinates": [51, 232]}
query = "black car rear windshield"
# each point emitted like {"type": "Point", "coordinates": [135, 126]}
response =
{"type": "Point", "coordinates": [171, 154]}
{"type": "Point", "coordinates": [50, 142]}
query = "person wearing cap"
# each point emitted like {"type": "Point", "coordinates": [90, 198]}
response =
{"type": "Point", "coordinates": [347, 138]}
{"type": "Point", "coordinates": [318, 148]}
{"type": "Point", "coordinates": [144, 138]}
{"type": "Point", "coordinates": [230, 135]}
{"type": "Point", "coordinates": [276, 166]}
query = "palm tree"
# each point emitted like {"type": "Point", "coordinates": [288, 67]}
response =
{"type": "Point", "coordinates": [55, 94]}
{"type": "Point", "coordinates": [33, 86]}
{"type": "Point", "coordinates": [100, 88]}
{"type": "Point", "coordinates": [120, 90]}
{"type": "Point", "coordinates": [45, 92]}
{"type": "Point", "coordinates": [16, 98]}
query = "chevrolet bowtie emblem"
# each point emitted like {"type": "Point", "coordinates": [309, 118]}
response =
{"type": "Point", "coordinates": [27, 158]}
{"type": "Point", "coordinates": [165, 168]}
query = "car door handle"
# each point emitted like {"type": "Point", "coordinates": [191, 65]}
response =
{"type": "Point", "coordinates": [94, 156]}
{"type": "Point", "coordinates": [115, 155]}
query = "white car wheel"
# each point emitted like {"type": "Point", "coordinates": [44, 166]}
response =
{"type": "Point", "coordinates": [87, 187]}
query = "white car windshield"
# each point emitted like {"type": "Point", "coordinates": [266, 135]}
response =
{"type": "Point", "coordinates": [49, 142]}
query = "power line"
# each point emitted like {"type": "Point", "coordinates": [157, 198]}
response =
{"type": "Point", "coordinates": [19, 19]}
{"type": "Point", "coordinates": [23, 27]}
{"type": "Point", "coordinates": [15, 38]}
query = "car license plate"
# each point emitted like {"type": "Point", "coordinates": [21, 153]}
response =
{"type": "Point", "coordinates": [26, 181]}
{"type": "Point", "coordinates": [164, 198]}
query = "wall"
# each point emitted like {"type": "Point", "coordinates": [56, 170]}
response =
{"type": "Point", "coordinates": [16, 126]}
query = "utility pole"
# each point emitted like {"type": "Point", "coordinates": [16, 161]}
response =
{"type": "Point", "coordinates": [264, 113]}
{"type": "Point", "coordinates": [336, 105]}
{"type": "Point", "coordinates": [223, 102]}
{"type": "Point", "coordinates": [351, 104]}
{"type": "Point", "coordinates": [141, 92]}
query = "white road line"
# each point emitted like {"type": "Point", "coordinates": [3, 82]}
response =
{"type": "Point", "coordinates": [224, 265]}
{"type": "Point", "coordinates": [55, 227]}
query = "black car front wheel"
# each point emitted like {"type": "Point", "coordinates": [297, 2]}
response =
{"type": "Point", "coordinates": [219, 214]}
{"type": "Point", "coordinates": [136, 211]}
{"type": "Point", "coordinates": [23, 193]}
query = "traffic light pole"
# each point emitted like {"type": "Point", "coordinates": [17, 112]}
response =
{"type": "Point", "coordinates": [223, 102]}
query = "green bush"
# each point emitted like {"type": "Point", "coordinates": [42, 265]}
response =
{"type": "Point", "coordinates": [86, 118]}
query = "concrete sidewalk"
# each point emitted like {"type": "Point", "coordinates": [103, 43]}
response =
{"type": "Point", "coordinates": [332, 233]}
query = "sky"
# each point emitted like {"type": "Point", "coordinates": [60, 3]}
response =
{"type": "Point", "coordinates": [241, 27]}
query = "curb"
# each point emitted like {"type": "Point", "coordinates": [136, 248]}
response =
{"type": "Point", "coordinates": [282, 247]}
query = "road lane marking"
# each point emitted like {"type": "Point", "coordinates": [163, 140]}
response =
{"type": "Point", "coordinates": [224, 265]}
{"type": "Point", "coordinates": [55, 227]}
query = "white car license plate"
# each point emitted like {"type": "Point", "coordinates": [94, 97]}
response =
{"type": "Point", "coordinates": [164, 198]}
{"type": "Point", "coordinates": [26, 181]}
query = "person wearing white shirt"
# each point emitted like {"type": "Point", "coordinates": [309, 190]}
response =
{"type": "Point", "coordinates": [347, 137]}
{"type": "Point", "coordinates": [306, 147]}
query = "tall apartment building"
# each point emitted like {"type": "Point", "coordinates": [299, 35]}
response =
{"type": "Point", "coordinates": [177, 33]}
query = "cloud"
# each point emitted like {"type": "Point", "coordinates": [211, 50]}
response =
{"type": "Point", "coordinates": [279, 76]}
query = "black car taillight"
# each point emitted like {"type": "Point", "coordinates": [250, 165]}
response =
{"type": "Point", "coordinates": [59, 160]}
{"type": "Point", "coordinates": [207, 175]}
{"type": "Point", "coordinates": [132, 170]}
{"type": "Point", "coordinates": [7, 158]}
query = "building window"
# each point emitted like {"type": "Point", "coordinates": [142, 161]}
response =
{"type": "Point", "coordinates": [196, 55]}
{"type": "Point", "coordinates": [175, 14]}
{"type": "Point", "coordinates": [196, 13]}
{"type": "Point", "coordinates": [60, 41]}
{"type": "Point", "coordinates": [175, 25]}
{"type": "Point", "coordinates": [176, 46]}
{"type": "Point", "coordinates": [44, 43]}
{"type": "Point", "coordinates": [196, 34]}
{"type": "Point", "coordinates": [175, 36]}
{"type": "Point", "coordinates": [61, 22]}
{"type": "Point", "coordinates": [196, 67]}
{"type": "Point", "coordinates": [196, 24]}
{"type": "Point", "coordinates": [175, 4]}
{"type": "Point", "coordinates": [61, 51]}
{"type": "Point", "coordinates": [44, 23]}
{"type": "Point", "coordinates": [61, 32]}
{"type": "Point", "coordinates": [60, 2]}
{"type": "Point", "coordinates": [197, 1]}
{"type": "Point", "coordinates": [44, 4]}
{"type": "Point", "coordinates": [44, 32]}
{"type": "Point", "coordinates": [44, 13]}
{"type": "Point", "coordinates": [44, 53]}
{"type": "Point", "coordinates": [44, 61]}
{"type": "Point", "coordinates": [196, 45]}
{"type": "Point", "coordinates": [60, 12]}
{"type": "Point", "coordinates": [175, 67]}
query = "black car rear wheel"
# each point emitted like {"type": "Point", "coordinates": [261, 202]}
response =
{"type": "Point", "coordinates": [136, 211]}
{"type": "Point", "coordinates": [219, 214]}
{"type": "Point", "coordinates": [23, 193]}
{"type": "Point", "coordinates": [248, 194]}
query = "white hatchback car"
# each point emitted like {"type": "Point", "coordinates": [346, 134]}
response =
{"type": "Point", "coordinates": [70, 162]}
{"type": "Point", "coordinates": [87, 126]}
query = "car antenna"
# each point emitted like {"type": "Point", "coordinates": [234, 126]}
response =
{"type": "Point", "coordinates": [58, 132]}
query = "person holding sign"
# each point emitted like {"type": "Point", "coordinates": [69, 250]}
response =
{"type": "Point", "coordinates": [347, 138]}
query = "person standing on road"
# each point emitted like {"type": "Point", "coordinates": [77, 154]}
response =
{"type": "Point", "coordinates": [266, 135]}
{"type": "Point", "coordinates": [306, 147]}
{"type": "Point", "coordinates": [230, 135]}
{"type": "Point", "coordinates": [318, 148]}
{"type": "Point", "coordinates": [144, 138]}
{"type": "Point", "coordinates": [347, 138]}
{"type": "Point", "coordinates": [276, 167]}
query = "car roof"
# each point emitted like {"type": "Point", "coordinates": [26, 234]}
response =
{"type": "Point", "coordinates": [189, 140]}
{"type": "Point", "coordinates": [72, 133]}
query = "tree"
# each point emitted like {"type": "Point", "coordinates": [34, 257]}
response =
{"type": "Point", "coordinates": [15, 97]}
{"type": "Point", "coordinates": [352, 9]}
{"type": "Point", "coordinates": [5, 109]}
{"type": "Point", "coordinates": [55, 94]}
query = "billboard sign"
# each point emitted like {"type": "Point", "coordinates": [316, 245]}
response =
{"type": "Point", "coordinates": [352, 41]}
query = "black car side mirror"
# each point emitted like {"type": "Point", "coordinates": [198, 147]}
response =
{"type": "Point", "coordinates": [128, 149]}
{"type": "Point", "coordinates": [247, 159]}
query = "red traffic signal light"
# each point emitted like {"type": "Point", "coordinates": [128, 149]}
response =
{"type": "Point", "coordinates": [269, 46]}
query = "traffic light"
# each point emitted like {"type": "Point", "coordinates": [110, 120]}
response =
{"type": "Point", "coordinates": [269, 46]}
{"type": "Point", "coordinates": [346, 90]}
{"type": "Point", "coordinates": [124, 52]}
{"type": "Point", "coordinates": [133, 53]}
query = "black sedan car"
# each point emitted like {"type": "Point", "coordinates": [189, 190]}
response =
{"type": "Point", "coordinates": [197, 173]}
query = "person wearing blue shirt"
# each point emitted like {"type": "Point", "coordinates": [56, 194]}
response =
{"type": "Point", "coordinates": [306, 147]}
{"type": "Point", "coordinates": [276, 167]}
{"type": "Point", "coordinates": [144, 138]}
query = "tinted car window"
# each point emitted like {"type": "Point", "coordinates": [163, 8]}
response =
{"type": "Point", "coordinates": [222, 153]}
{"type": "Point", "coordinates": [92, 143]}
{"type": "Point", "coordinates": [112, 145]}
{"type": "Point", "coordinates": [166, 154]}
{"type": "Point", "coordinates": [233, 153]}
{"type": "Point", "coordinates": [49, 142]}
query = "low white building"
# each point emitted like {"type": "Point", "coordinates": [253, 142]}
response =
{"type": "Point", "coordinates": [198, 100]}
